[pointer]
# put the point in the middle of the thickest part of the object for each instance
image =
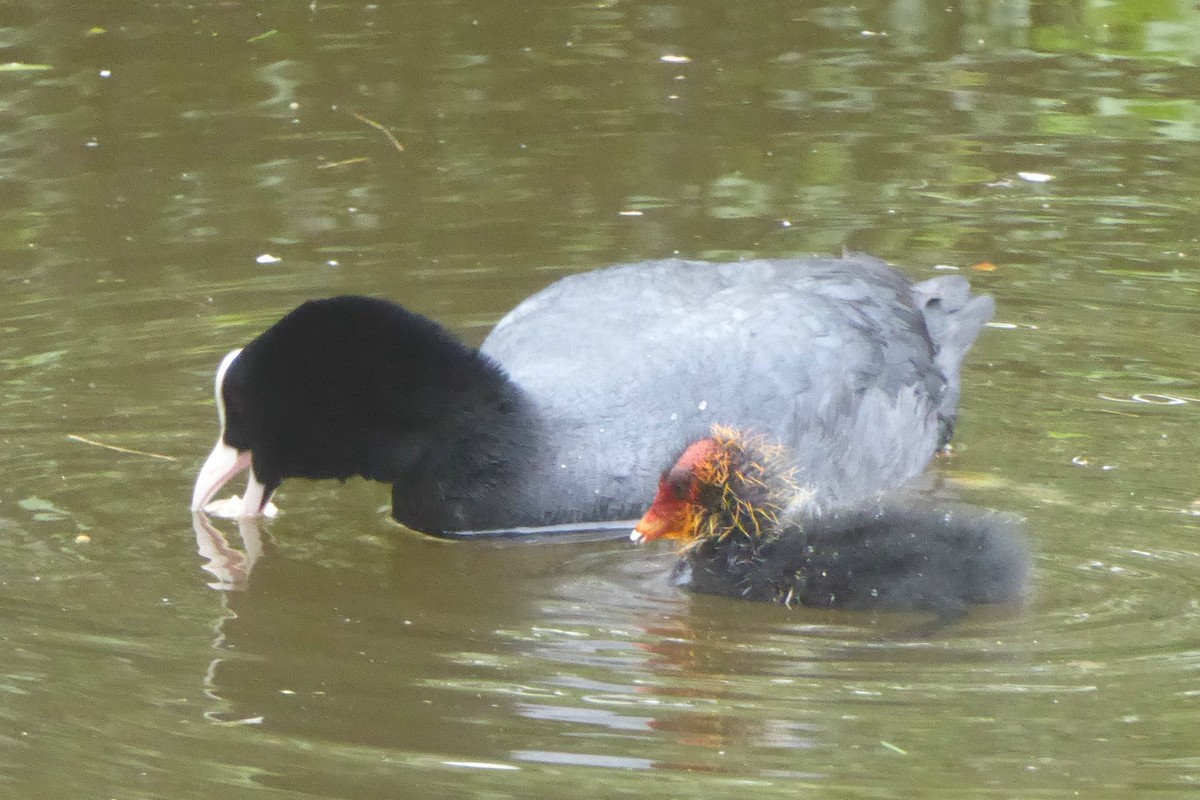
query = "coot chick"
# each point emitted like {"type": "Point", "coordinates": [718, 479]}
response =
{"type": "Point", "coordinates": [751, 531]}
{"type": "Point", "coordinates": [567, 411]}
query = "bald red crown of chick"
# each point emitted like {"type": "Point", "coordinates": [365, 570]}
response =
{"type": "Point", "coordinates": [728, 483]}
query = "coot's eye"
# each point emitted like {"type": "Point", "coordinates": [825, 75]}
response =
{"type": "Point", "coordinates": [233, 402]}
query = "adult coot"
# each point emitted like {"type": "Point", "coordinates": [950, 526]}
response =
{"type": "Point", "coordinates": [579, 395]}
{"type": "Point", "coordinates": [751, 530]}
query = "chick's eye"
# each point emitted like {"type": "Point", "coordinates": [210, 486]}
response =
{"type": "Point", "coordinates": [679, 489]}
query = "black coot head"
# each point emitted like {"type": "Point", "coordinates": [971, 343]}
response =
{"type": "Point", "coordinates": [346, 386]}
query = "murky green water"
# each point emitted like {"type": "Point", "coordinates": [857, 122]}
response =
{"type": "Point", "coordinates": [166, 150]}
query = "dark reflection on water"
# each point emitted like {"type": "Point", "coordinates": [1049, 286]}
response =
{"type": "Point", "coordinates": [182, 174]}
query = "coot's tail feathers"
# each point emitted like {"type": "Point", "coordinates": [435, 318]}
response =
{"type": "Point", "coordinates": [954, 317]}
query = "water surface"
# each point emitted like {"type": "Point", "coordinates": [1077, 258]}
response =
{"type": "Point", "coordinates": [175, 177]}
